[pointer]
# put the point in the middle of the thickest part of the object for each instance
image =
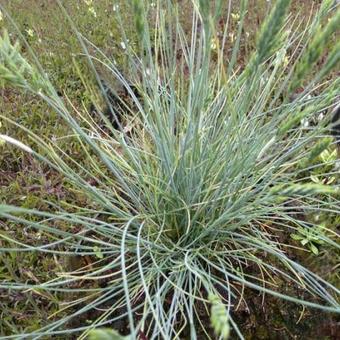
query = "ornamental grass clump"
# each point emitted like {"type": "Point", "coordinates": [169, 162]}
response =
{"type": "Point", "coordinates": [195, 202]}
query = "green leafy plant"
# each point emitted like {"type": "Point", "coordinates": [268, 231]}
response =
{"type": "Point", "coordinates": [310, 237]}
{"type": "Point", "coordinates": [191, 196]}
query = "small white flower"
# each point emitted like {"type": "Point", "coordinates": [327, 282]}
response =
{"type": "Point", "coordinates": [92, 11]}
{"type": "Point", "coordinates": [122, 45]}
{"type": "Point", "coordinates": [115, 7]}
{"type": "Point", "coordinates": [30, 32]}
{"type": "Point", "coordinates": [153, 4]}
{"type": "Point", "coordinates": [235, 16]}
{"type": "Point", "coordinates": [1, 16]}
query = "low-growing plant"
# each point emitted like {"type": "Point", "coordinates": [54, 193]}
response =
{"type": "Point", "coordinates": [310, 237]}
{"type": "Point", "coordinates": [190, 202]}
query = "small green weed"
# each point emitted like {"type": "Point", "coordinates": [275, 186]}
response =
{"type": "Point", "coordinates": [310, 237]}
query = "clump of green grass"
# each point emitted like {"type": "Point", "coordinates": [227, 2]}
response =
{"type": "Point", "coordinates": [189, 203]}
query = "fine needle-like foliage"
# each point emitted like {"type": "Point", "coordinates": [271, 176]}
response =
{"type": "Point", "coordinates": [194, 202]}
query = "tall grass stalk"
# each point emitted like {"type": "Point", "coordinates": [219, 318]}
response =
{"type": "Point", "coordinates": [189, 206]}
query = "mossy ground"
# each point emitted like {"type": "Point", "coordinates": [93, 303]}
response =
{"type": "Point", "coordinates": [27, 183]}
